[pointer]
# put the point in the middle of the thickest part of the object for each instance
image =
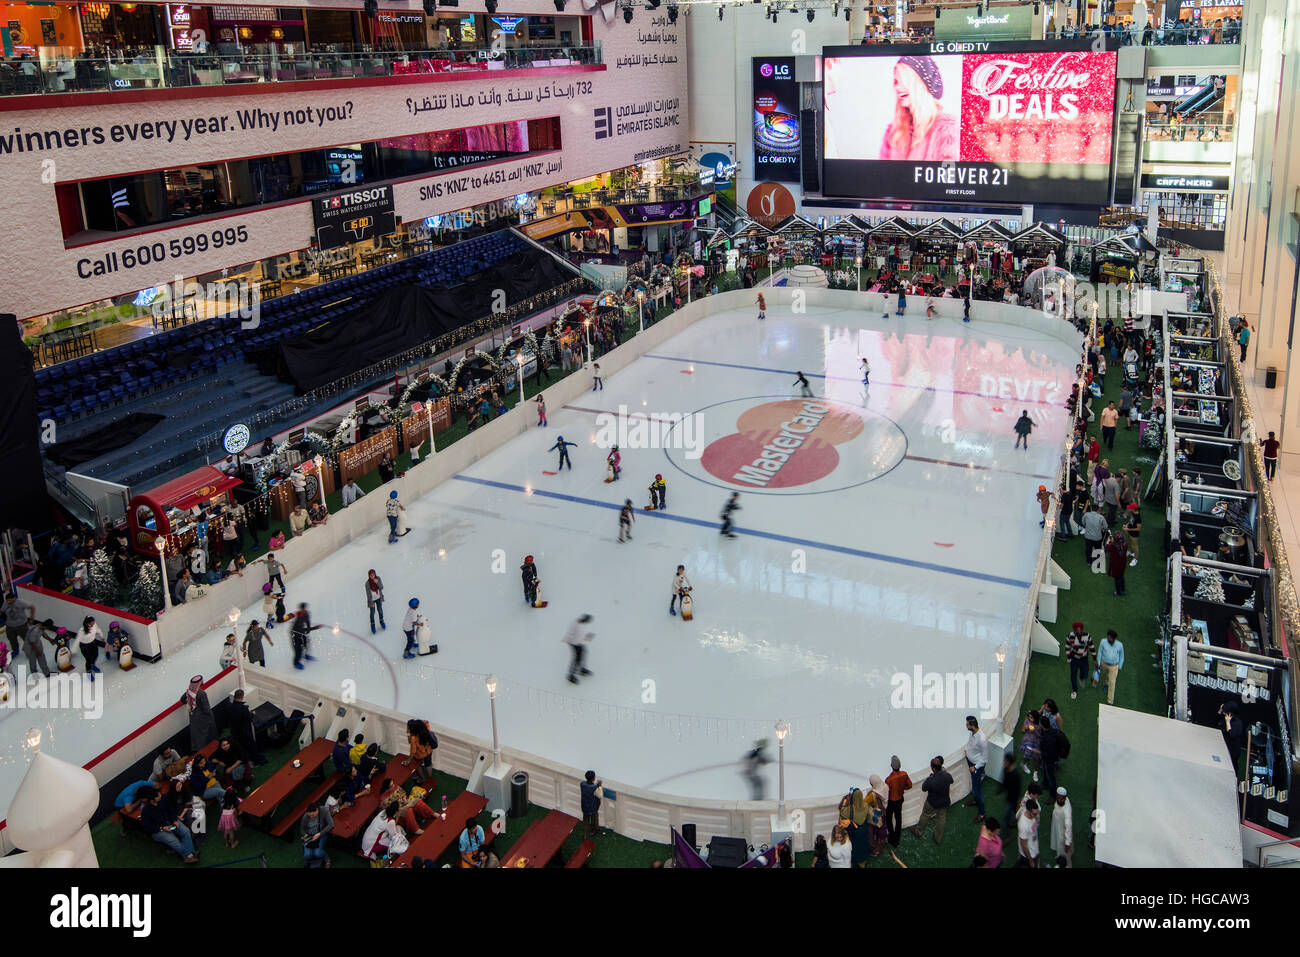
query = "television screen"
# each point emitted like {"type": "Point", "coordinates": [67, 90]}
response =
{"type": "Point", "coordinates": [1003, 122]}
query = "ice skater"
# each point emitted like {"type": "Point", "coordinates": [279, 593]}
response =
{"type": "Point", "coordinates": [252, 646]}
{"type": "Point", "coordinates": [1044, 498]}
{"type": "Point", "coordinates": [866, 371]}
{"type": "Point", "coordinates": [614, 465]}
{"type": "Point", "coordinates": [1024, 425]}
{"type": "Point", "coordinates": [731, 506]}
{"type": "Point", "coordinates": [755, 758]}
{"type": "Point", "coordinates": [391, 509]}
{"type": "Point", "coordinates": [804, 388]}
{"type": "Point", "coordinates": [300, 635]}
{"type": "Point", "coordinates": [597, 382]}
{"type": "Point", "coordinates": [658, 495]}
{"type": "Point", "coordinates": [762, 307]}
{"type": "Point", "coordinates": [681, 588]}
{"type": "Point", "coordinates": [563, 446]}
{"type": "Point", "coordinates": [529, 572]}
{"type": "Point", "coordinates": [625, 519]}
{"type": "Point", "coordinates": [375, 599]}
{"type": "Point", "coordinates": [965, 309]}
{"type": "Point", "coordinates": [541, 412]}
{"type": "Point", "coordinates": [929, 308]}
{"type": "Point", "coordinates": [884, 305]}
{"type": "Point", "coordinates": [578, 638]}
{"type": "Point", "coordinates": [410, 625]}
{"type": "Point", "coordinates": [902, 302]}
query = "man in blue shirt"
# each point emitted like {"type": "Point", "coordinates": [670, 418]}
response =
{"type": "Point", "coordinates": [590, 789]}
{"type": "Point", "coordinates": [471, 840]}
{"type": "Point", "coordinates": [1110, 661]}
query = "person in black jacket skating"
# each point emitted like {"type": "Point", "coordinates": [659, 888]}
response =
{"type": "Point", "coordinates": [732, 506]}
{"type": "Point", "coordinates": [529, 571]}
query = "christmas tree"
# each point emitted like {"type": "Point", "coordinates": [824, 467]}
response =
{"type": "Point", "coordinates": [101, 581]}
{"type": "Point", "coordinates": [146, 593]}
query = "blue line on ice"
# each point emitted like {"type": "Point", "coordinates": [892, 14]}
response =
{"type": "Point", "coordinates": [771, 536]}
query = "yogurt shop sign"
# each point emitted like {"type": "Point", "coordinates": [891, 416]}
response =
{"type": "Point", "coordinates": [1000, 23]}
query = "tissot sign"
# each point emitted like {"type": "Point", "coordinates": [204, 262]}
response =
{"type": "Point", "coordinates": [353, 216]}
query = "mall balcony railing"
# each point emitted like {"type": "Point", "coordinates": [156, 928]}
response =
{"type": "Point", "coordinates": [1159, 129]}
{"type": "Point", "coordinates": [172, 70]}
{"type": "Point", "coordinates": [1177, 35]}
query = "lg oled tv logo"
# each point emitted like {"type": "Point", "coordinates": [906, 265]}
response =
{"type": "Point", "coordinates": [778, 70]}
{"type": "Point", "coordinates": [604, 122]}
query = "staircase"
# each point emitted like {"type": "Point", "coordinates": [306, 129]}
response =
{"type": "Point", "coordinates": [234, 393]}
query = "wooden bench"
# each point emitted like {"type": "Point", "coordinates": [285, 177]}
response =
{"type": "Point", "coordinates": [581, 854]}
{"type": "Point", "coordinates": [351, 821]}
{"type": "Point", "coordinates": [541, 842]}
{"type": "Point", "coordinates": [132, 813]}
{"type": "Point", "coordinates": [310, 801]}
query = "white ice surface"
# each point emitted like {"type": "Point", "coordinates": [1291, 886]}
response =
{"type": "Point", "coordinates": [914, 551]}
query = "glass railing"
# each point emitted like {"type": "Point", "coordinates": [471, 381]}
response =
{"type": "Point", "coordinates": [170, 69]}
{"type": "Point", "coordinates": [1191, 131]}
{"type": "Point", "coordinates": [1179, 35]}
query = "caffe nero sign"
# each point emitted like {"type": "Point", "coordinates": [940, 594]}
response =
{"type": "Point", "coordinates": [1002, 23]}
{"type": "Point", "coordinates": [1171, 181]}
{"type": "Point", "coordinates": [362, 213]}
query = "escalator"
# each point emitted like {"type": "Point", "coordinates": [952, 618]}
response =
{"type": "Point", "coordinates": [1209, 95]}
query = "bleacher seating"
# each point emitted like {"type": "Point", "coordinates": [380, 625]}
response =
{"type": "Point", "coordinates": [199, 376]}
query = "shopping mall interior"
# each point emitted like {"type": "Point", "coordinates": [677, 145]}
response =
{"type": "Point", "coordinates": [506, 274]}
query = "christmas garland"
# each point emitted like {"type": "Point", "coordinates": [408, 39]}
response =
{"type": "Point", "coordinates": [318, 444]}
{"type": "Point", "coordinates": [404, 402]}
{"type": "Point", "coordinates": [575, 311]}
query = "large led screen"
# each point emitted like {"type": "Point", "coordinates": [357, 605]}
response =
{"type": "Point", "coordinates": [1013, 122]}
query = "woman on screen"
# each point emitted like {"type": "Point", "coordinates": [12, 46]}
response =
{"type": "Point", "coordinates": [921, 128]}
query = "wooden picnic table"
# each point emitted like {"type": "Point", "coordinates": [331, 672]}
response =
{"type": "Point", "coordinates": [351, 821]}
{"type": "Point", "coordinates": [438, 835]}
{"type": "Point", "coordinates": [282, 783]}
{"type": "Point", "coordinates": [541, 842]}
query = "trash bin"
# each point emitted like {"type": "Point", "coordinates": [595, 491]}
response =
{"type": "Point", "coordinates": [1270, 377]}
{"type": "Point", "coordinates": [519, 794]}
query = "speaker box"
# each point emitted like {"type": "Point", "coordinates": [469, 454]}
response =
{"type": "Point", "coordinates": [728, 852]}
{"type": "Point", "coordinates": [688, 834]}
{"type": "Point", "coordinates": [811, 168]}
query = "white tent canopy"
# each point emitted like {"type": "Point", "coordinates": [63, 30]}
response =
{"type": "Point", "coordinates": [1167, 791]}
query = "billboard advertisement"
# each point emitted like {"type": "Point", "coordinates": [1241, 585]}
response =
{"type": "Point", "coordinates": [1003, 23]}
{"type": "Point", "coordinates": [776, 120]}
{"type": "Point", "coordinates": [969, 122]}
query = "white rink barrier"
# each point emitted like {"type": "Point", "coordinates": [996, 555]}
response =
{"type": "Point", "coordinates": [638, 814]}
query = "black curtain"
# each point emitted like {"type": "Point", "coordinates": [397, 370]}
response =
{"type": "Point", "coordinates": [23, 499]}
{"type": "Point", "coordinates": [402, 317]}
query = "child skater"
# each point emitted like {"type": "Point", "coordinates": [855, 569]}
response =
{"type": "Point", "coordinates": [541, 411]}
{"type": "Point", "coordinates": [625, 521]}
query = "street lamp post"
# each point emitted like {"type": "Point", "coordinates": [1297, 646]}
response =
{"type": "Point", "coordinates": [233, 618]}
{"type": "Point", "coordinates": [496, 740]}
{"type": "Point", "coordinates": [586, 325]}
{"type": "Point", "coordinates": [519, 367]}
{"type": "Point", "coordinates": [161, 544]}
{"type": "Point", "coordinates": [640, 308]}
{"type": "Point", "coordinates": [857, 264]}
{"type": "Point", "coordinates": [320, 480]}
{"type": "Point", "coordinates": [782, 732]}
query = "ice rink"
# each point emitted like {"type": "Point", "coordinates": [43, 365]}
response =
{"type": "Point", "coordinates": [898, 533]}
{"type": "Point", "coordinates": [901, 533]}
